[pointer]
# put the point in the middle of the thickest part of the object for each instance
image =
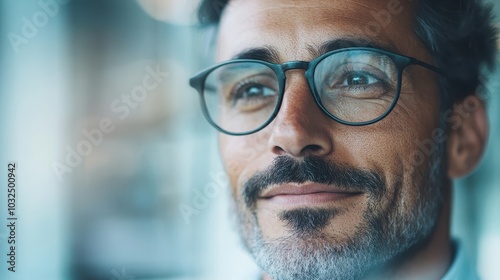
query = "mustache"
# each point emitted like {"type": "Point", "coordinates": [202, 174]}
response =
{"type": "Point", "coordinates": [285, 169]}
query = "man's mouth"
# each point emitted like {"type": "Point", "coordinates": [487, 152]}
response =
{"type": "Point", "coordinates": [305, 194]}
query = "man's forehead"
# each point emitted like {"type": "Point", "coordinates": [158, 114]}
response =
{"type": "Point", "coordinates": [301, 5]}
{"type": "Point", "coordinates": [305, 24]}
{"type": "Point", "coordinates": [278, 4]}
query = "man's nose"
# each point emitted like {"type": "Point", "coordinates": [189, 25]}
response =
{"type": "Point", "coordinates": [300, 129]}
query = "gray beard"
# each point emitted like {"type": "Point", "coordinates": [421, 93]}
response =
{"type": "Point", "coordinates": [386, 236]}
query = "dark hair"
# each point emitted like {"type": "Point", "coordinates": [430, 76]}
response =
{"type": "Point", "coordinates": [459, 34]}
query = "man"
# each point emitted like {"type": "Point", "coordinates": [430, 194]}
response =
{"type": "Point", "coordinates": [343, 124]}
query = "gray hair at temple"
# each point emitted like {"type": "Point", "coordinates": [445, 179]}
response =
{"type": "Point", "coordinates": [459, 34]}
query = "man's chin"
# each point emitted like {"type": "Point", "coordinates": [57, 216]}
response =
{"type": "Point", "coordinates": [310, 241]}
{"type": "Point", "coordinates": [317, 254]}
{"type": "Point", "coordinates": [303, 230]}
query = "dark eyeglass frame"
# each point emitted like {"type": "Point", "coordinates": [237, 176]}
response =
{"type": "Point", "coordinates": [400, 61]}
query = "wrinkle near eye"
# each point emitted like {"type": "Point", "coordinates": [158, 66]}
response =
{"type": "Point", "coordinates": [403, 110]}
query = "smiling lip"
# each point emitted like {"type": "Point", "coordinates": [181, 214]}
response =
{"type": "Point", "coordinates": [306, 194]}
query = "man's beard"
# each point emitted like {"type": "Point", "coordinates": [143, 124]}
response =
{"type": "Point", "coordinates": [386, 235]}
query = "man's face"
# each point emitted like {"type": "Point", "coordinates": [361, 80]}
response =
{"type": "Point", "coordinates": [320, 199]}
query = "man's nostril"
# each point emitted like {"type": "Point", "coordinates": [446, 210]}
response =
{"type": "Point", "coordinates": [312, 149]}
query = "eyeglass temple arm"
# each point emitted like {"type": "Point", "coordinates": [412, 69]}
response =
{"type": "Point", "coordinates": [426, 65]}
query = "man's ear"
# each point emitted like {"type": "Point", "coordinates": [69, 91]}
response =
{"type": "Point", "coordinates": [468, 132]}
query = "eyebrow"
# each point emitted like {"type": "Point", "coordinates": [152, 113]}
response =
{"type": "Point", "coordinates": [266, 53]}
{"type": "Point", "coordinates": [337, 44]}
{"type": "Point", "coordinates": [270, 54]}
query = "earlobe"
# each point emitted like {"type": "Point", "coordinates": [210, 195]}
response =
{"type": "Point", "coordinates": [467, 137]}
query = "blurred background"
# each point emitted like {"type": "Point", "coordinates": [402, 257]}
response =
{"type": "Point", "coordinates": [118, 172]}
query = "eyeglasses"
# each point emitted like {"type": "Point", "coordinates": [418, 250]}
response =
{"type": "Point", "coordinates": [353, 86]}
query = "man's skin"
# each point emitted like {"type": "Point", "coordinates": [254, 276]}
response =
{"type": "Point", "coordinates": [301, 129]}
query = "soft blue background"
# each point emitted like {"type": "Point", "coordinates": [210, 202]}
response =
{"type": "Point", "coordinates": [117, 213]}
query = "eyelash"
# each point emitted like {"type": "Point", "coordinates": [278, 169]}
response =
{"type": "Point", "coordinates": [346, 72]}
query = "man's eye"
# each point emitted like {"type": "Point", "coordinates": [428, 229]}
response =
{"type": "Point", "coordinates": [250, 96]}
{"type": "Point", "coordinates": [251, 92]}
{"type": "Point", "coordinates": [254, 91]}
{"type": "Point", "coordinates": [356, 84]}
{"type": "Point", "coordinates": [359, 79]}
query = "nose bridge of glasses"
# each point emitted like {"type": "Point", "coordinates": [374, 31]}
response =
{"type": "Point", "coordinates": [295, 65]}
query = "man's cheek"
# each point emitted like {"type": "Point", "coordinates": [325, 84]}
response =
{"type": "Point", "coordinates": [234, 163]}
{"type": "Point", "coordinates": [233, 170]}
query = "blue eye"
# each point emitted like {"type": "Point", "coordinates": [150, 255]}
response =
{"type": "Point", "coordinates": [355, 83]}
{"type": "Point", "coordinates": [254, 94]}
{"type": "Point", "coordinates": [255, 91]}
{"type": "Point", "coordinates": [359, 79]}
